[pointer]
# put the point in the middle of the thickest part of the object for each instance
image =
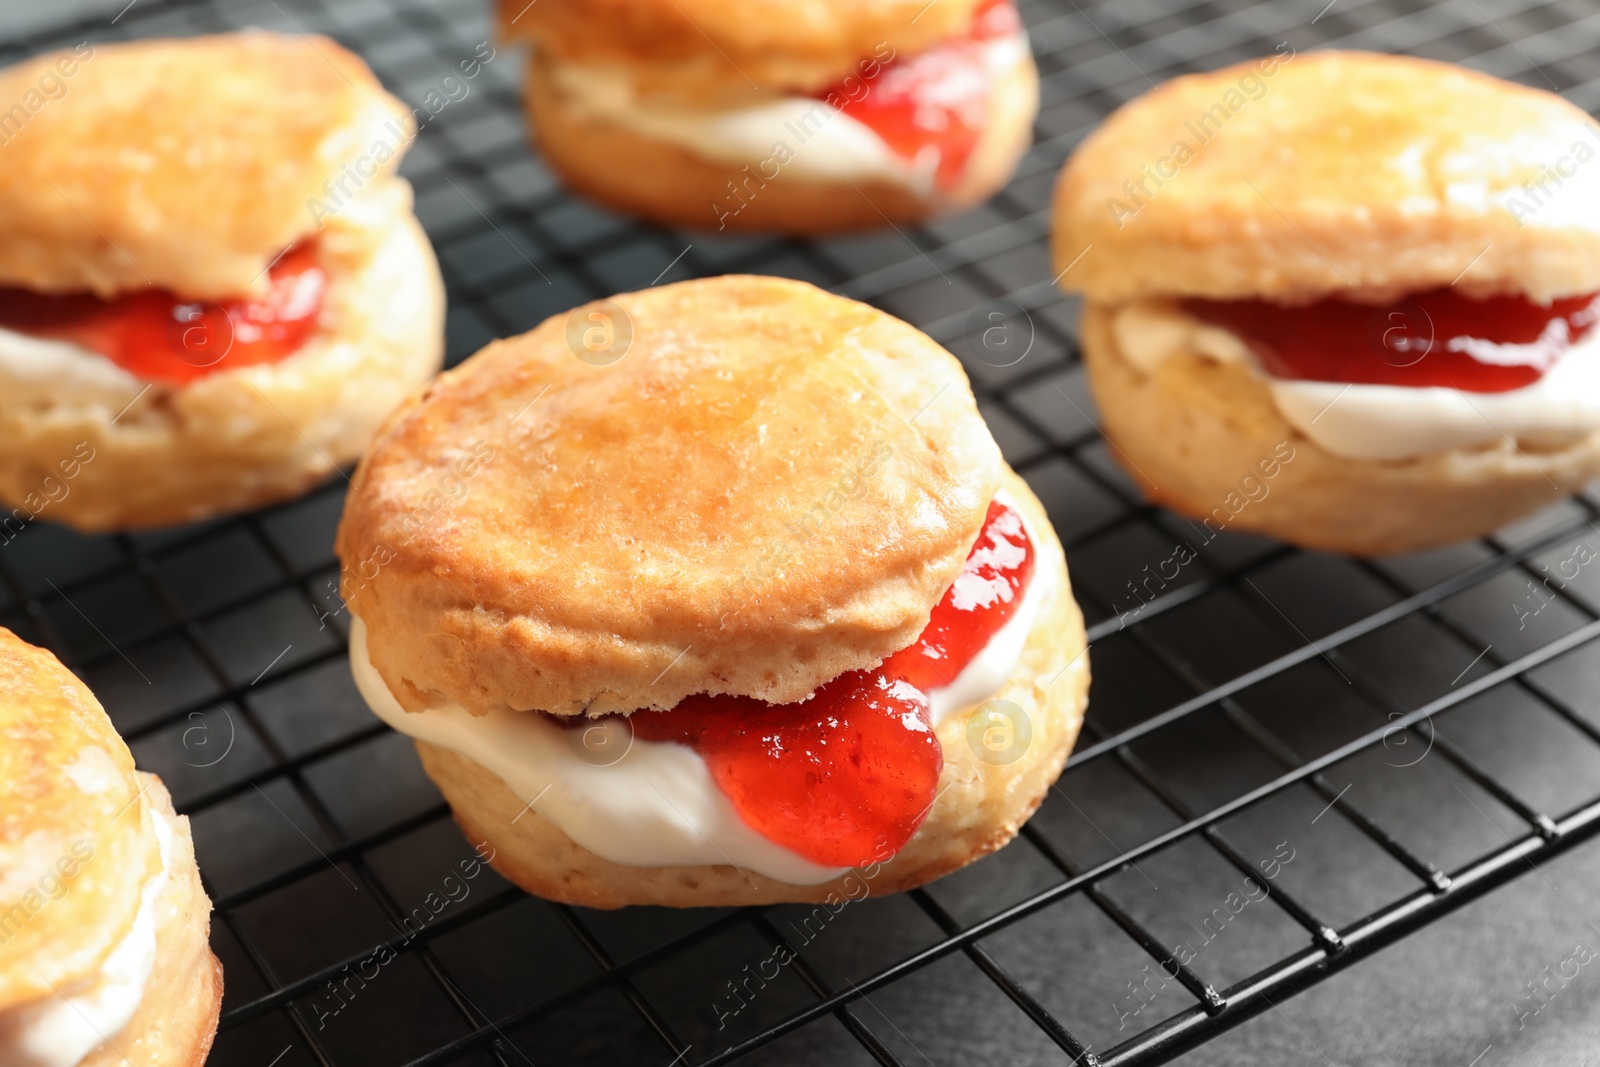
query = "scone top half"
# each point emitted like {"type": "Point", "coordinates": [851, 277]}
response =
{"type": "Point", "coordinates": [78, 843]}
{"type": "Point", "coordinates": [1300, 177]}
{"type": "Point", "coordinates": [734, 486]}
{"type": "Point", "coordinates": [799, 45]}
{"type": "Point", "coordinates": [185, 165]}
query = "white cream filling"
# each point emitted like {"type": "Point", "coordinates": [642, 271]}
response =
{"type": "Point", "coordinates": [38, 371]}
{"type": "Point", "coordinates": [797, 135]}
{"type": "Point", "coordinates": [1385, 422]}
{"type": "Point", "coordinates": [653, 803]}
{"type": "Point", "coordinates": [59, 1031]}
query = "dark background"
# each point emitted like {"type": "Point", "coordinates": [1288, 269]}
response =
{"type": "Point", "coordinates": [317, 831]}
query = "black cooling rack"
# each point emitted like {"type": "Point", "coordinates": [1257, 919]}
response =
{"type": "Point", "coordinates": [1291, 760]}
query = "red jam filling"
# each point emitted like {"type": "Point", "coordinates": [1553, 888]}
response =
{"type": "Point", "coordinates": [846, 776]}
{"type": "Point", "coordinates": [160, 337]}
{"type": "Point", "coordinates": [935, 101]}
{"type": "Point", "coordinates": [982, 599]}
{"type": "Point", "coordinates": [1437, 338]}
{"type": "Point", "coordinates": [842, 779]}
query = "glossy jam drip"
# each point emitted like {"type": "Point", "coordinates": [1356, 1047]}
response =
{"type": "Point", "coordinates": [1437, 338]}
{"type": "Point", "coordinates": [842, 778]}
{"type": "Point", "coordinates": [159, 337]}
{"type": "Point", "coordinates": [980, 601]}
{"type": "Point", "coordinates": [846, 776]}
{"type": "Point", "coordinates": [934, 102]}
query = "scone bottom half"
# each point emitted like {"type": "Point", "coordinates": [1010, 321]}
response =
{"type": "Point", "coordinates": [212, 285]}
{"type": "Point", "coordinates": [1343, 299]}
{"type": "Point", "coordinates": [715, 593]}
{"type": "Point", "coordinates": [840, 118]}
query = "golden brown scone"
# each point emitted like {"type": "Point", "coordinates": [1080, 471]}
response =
{"type": "Point", "coordinates": [603, 161]}
{"type": "Point", "coordinates": [80, 839]}
{"type": "Point", "coordinates": [536, 531]}
{"type": "Point", "coordinates": [739, 113]}
{"type": "Point", "coordinates": [1333, 173]}
{"type": "Point", "coordinates": [66, 780]}
{"type": "Point", "coordinates": [189, 166]}
{"type": "Point", "coordinates": [794, 44]}
{"type": "Point", "coordinates": [1354, 179]}
{"type": "Point", "coordinates": [237, 438]}
{"type": "Point", "coordinates": [1194, 430]}
{"type": "Point", "coordinates": [980, 806]}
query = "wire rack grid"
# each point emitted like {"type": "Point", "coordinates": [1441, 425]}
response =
{"type": "Point", "coordinates": [1291, 760]}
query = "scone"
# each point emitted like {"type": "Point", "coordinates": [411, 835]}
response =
{"type": "Point", "coordinates": [1343, 299]}
{"type": "Point", "coordinates": [717, 593]}
{"type": "Point", "coordinates": [212, 286]}
{"type": "Point", "coordinates": [794, 116]}
{"type": "Point", "coordinates": [104, 958]}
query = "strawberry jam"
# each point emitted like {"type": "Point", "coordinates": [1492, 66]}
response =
{"type": "Point", "coordinates": [842, 778]}
{"type": "Point", "coordinates": [932, 105]}
{"type": "Point", "coordinates": [982, 599]}
{"type": "Point", "coordinates": [160, 337]}
{"type": "Point", "coordinates": [1437, 338]}
{"type": "Point", "coordinates": [847, 775]}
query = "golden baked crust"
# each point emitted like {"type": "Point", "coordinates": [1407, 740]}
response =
{"type": "Point", "coordinates": [770, 487]}
{"type": "Point", "coordinates": [603, 161]}
{"type": "Point", "coordinates": [181, 164]}
{"type": "Point", "coordinates": [980, 804]}
{"type": "Point", "coordinates": [177, 1019]}
{"type": "Point", "coordinates": [75, 846]}
{"type": "Point", "coordinates": [1190, 432]}
{"type": "Point", "coordinates": [239, 438]}
{"type": "Point", "coordinates": [1334, 172]}
{"type": "Point", "coordinates": [771, 44]}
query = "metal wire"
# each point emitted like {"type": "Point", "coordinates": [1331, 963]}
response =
{"type": "Point", "coordinates": [201, 616]}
